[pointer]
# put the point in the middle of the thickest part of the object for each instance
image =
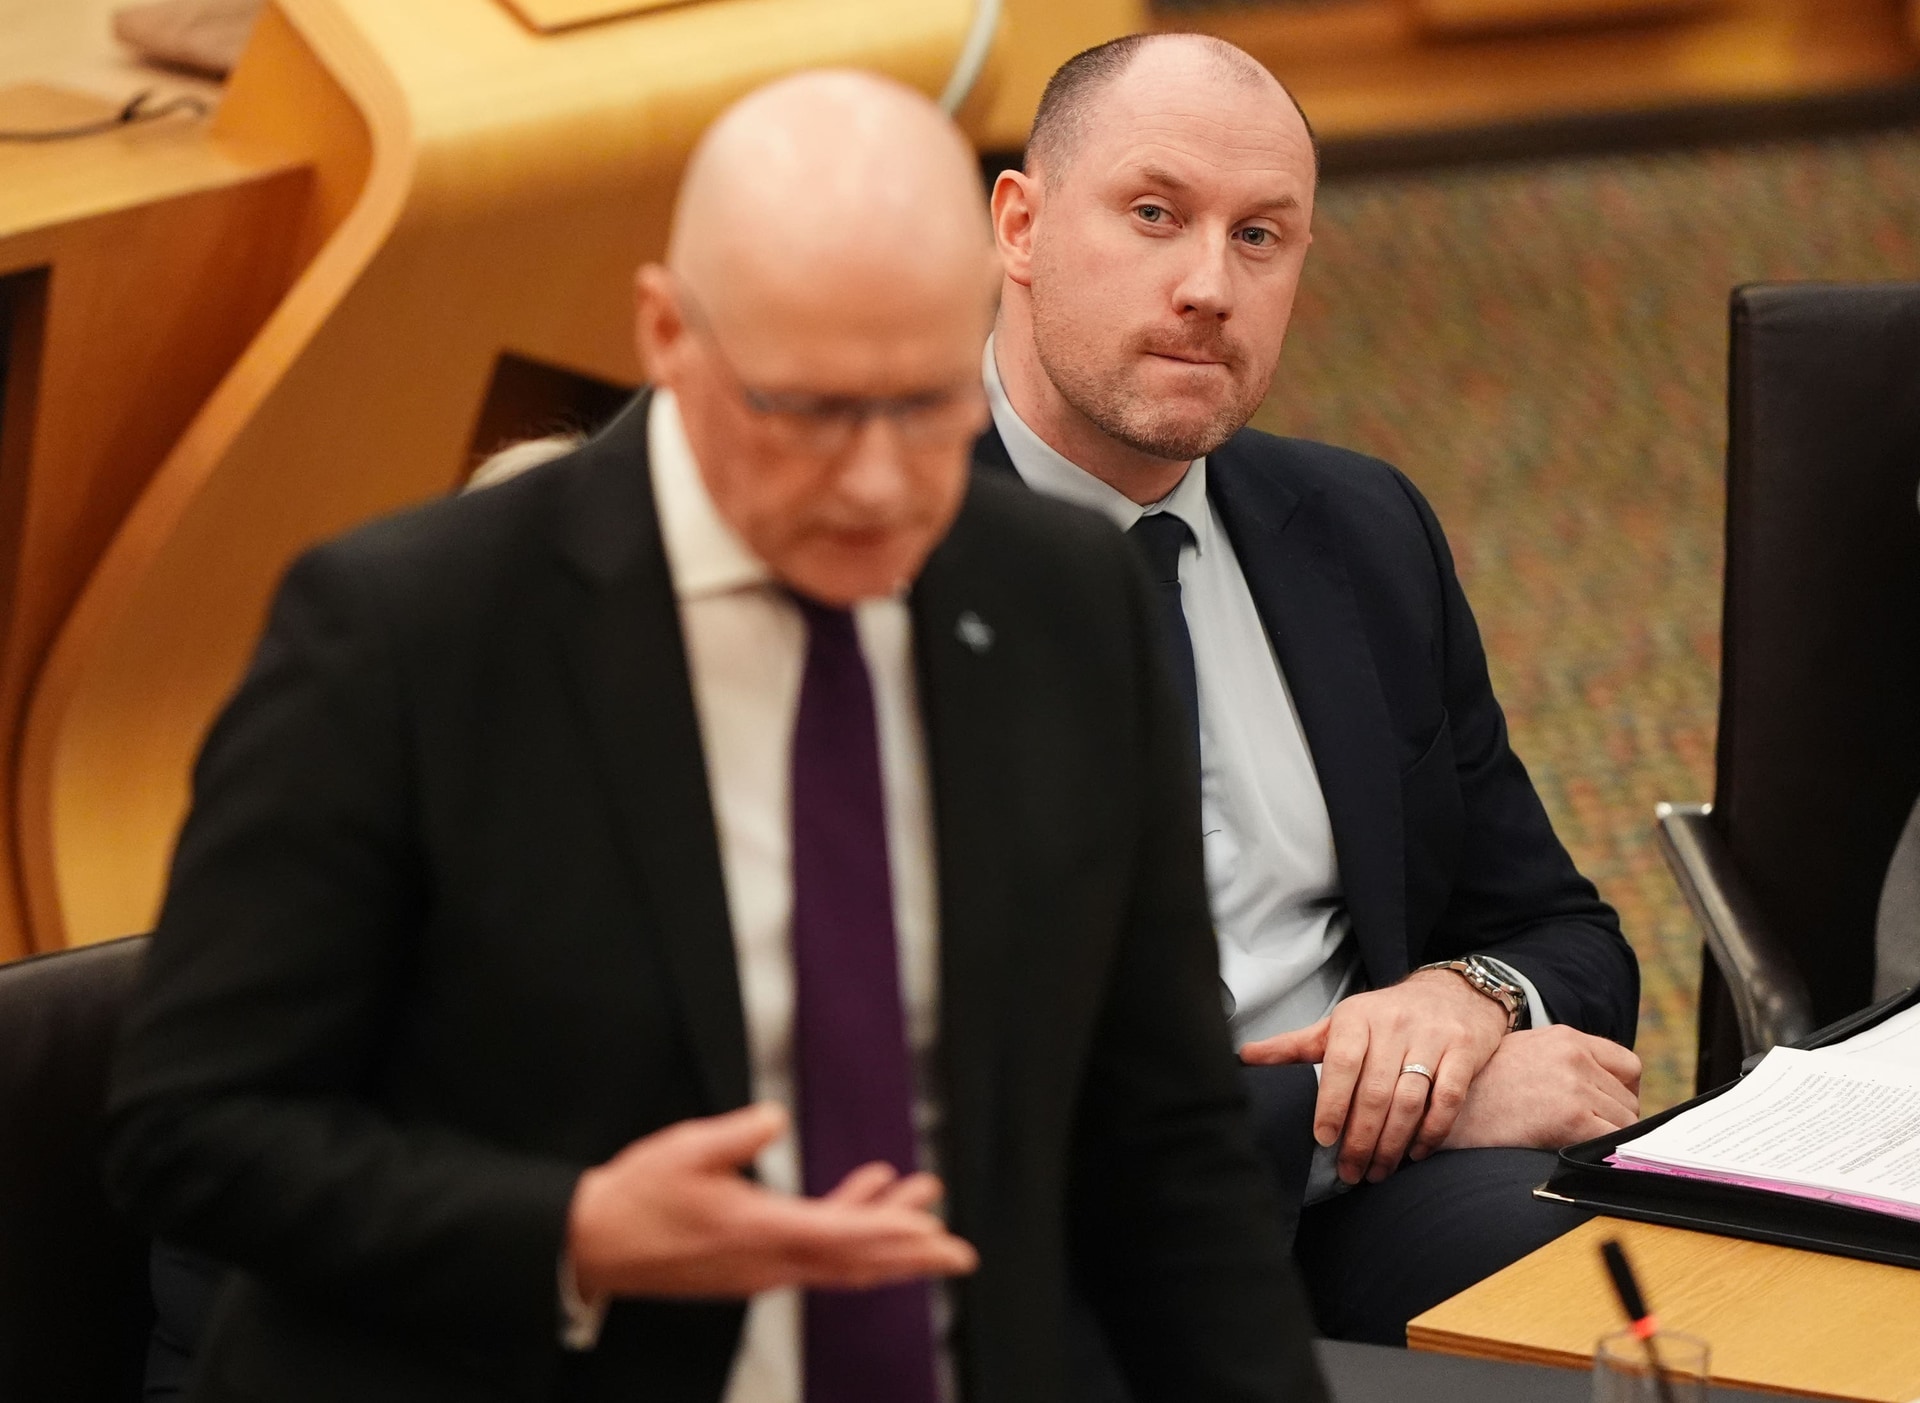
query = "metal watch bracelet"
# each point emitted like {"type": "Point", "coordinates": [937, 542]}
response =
{"type": "Point", "coordinates": [1483, 979]}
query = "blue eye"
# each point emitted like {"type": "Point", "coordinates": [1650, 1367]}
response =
{"type": "Point", "coordinates": [1153, 214]}
{"type": "Point", "coordinates": [1259, 238]}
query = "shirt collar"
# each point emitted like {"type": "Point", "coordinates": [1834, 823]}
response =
{"type": "Point", "coordinates": [705, 556]}
{"type": "Point", "coordinates": [1045, 469]}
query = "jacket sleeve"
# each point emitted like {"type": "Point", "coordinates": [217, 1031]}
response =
{"type": "Point", "coordinates": [1176, 1233]}
{"type": "Point", "coordinates": [244, 1118]}
{"type": "Point", "coordinates": [1517, 895]}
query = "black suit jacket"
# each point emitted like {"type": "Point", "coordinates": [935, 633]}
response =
{"type": "Point", "coordinates": [1443, 844]}
{"type": "Point", "coordinates": [447, 925]}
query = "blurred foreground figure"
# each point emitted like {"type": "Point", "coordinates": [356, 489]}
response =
{"type": "Point", "coordinates": [612, 897]}
{"type": "Point", "coordinates": [1390, 899]}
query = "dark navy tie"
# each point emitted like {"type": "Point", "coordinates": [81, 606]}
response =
{"type": "Point", "coordinates": [1159, 537]}
{"type": "Point", "coordinates": [852, 1067]}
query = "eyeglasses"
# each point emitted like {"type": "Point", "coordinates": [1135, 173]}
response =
{"type": "Point", "coordinates": [827, 425]}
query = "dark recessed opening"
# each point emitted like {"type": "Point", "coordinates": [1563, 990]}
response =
{"type": "Point", "coordinates": [530, 399]}
{"type": "Point", "coordinates": [23, 320]}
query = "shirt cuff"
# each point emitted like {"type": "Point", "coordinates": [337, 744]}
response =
{"type": "Point", "coordinates": [580, 1320]}
{"type": "Point", "coordinates": [1537, 1015]}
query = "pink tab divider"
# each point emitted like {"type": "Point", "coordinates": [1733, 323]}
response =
{"type": "Point", "coordinates": [1867, 1202]}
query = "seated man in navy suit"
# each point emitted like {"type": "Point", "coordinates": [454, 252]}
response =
{"type": "Point", "coordinates": [1392, 907]}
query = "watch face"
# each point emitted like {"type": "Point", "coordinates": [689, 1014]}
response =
{"type": "Point", "coordinates": [1487, 977]}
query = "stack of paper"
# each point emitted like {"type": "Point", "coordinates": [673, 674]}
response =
{"type": "Point", "coordinates": [1840, 1124]}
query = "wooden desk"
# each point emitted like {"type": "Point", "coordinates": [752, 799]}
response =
{"type": "Point", "coordinates": [1777, 1319]}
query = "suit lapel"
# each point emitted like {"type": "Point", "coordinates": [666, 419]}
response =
{"type": "Point", "coordinates": [964, 705]}
{"type": "Point", "coordinates": [623, 643]}
{"type": "Point", "coordinates": [1307, 603]}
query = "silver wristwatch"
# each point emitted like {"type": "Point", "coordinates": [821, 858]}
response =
{"type": "Point", "coordinates": [1478, 971]}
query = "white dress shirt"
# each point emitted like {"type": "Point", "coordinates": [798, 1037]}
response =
{"type": "Point", "coordinates": [1287, 953]}
{"type": "Point", "coordinates": [746, 650]}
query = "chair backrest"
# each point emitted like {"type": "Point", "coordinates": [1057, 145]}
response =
{"type": "Point", "coordinates": [1897, 940]}
{"type": "Point", "coordinates": [1819, 744]}
{"type": "Point", "coordinates": [74, 1305]}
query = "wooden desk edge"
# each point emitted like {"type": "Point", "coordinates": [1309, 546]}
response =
{"type": "Point", "coordinates": [1435, 1341]}
{"type": "Point", "coordinates": [1431, 1341]}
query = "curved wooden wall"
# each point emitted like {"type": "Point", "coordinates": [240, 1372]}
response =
{"type": "Point", "coordinates": [480, 190]}
{"type": "Point", "coordinates": [138, 265]}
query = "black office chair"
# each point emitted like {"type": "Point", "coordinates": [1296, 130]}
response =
{"type": "Point", "coordinates": [1818, 760]}
{"type": "Point", "coordinates": [1896, 941]}
{"type": "Point", "coordinates": [74, 1306]}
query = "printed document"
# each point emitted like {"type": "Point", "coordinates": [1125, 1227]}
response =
{"type": "Point", "coordinates": [1840, 1124]}
{"type": "Point", "coordinates": [1896, 1039]}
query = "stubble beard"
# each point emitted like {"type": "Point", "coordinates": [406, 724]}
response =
{"type": "Point", "coordinates": [1125, 414]}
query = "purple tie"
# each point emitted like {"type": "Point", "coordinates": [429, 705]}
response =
{"type": "Point", "coordinates": [853, 1071]}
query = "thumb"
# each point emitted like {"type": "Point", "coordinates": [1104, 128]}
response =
{"type": "Point", "coordinates": [732, 1140]}
{"type": "Point", "coordinates": [1307, 1044]}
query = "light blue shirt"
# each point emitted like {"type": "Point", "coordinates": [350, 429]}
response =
{"type": "Point", "coordinates": [1287, 953]}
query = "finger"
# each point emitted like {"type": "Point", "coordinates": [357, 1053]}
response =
{"type": "Point", "coordinates": [1372, 1104]}
{"type": "Point", "coordinates": [1404, 1113]}
{"type": "Point", "coordinates": [1307, 1044]}
{"type": "Point", "coordinates": [1451, 1082]}
{"type": "Point", "coordinates": [1595, 1125]}
{"type": "Point", "coordinates": [918, 1261]}
{"type": "Point", "coordinates": [1611, 1099]}
{"type": "Point", "coordinates": [1620, 1062]}
{"type": "Point", "coordinates": [837, 1245]}
{"type": "Point", "coordinates": [1340, 1070]}
{"type": "Point", "coordinates": [727, 1141]}
{"type": "Point", "coordinates": [864, 1184]}
{"type": "Point", "coordinates": [919, 1191]}
{"type": "Point", "coordinates": [1617, 1116]}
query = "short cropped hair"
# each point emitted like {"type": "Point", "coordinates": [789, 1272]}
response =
{"type": "Point", "coordinates": [1068, 99]}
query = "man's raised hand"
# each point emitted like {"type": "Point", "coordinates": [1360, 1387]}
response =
{"type": "Point", "coordinates": [672, 1215]}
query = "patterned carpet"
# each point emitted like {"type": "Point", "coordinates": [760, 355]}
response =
{"type": "Point", "coordinates": [1542, 348]}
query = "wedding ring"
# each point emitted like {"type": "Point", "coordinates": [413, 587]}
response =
{"type": "Point", "coordinates": [1419, 1071]}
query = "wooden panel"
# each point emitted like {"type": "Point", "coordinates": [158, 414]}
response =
{"type": "Point", "coordinates": [514, 182]}
{"type": "Point", "coordinates": [157, 253]}
{"type": "Point", "coordinates": [1470, 16]}
{"type": "Point", "coordinates": [1778, 1319]}
{"type": "Point", "coordinates": [1362, 68]}
{"type": "Point", "coordinates": [1036, 37]}
{"type": "Point", "coordinates": [551, 15]}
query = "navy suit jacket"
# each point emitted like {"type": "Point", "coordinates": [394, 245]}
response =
{"type": "Point", "coordinates": [1444, 846]}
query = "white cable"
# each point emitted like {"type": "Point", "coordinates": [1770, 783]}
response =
{"type": "Point", "coordinates": [973, 55]}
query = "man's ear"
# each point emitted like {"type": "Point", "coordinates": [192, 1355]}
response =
{"type": "Point", "coordinates": [659, 330]}
{"type": "Point", "coordinates": [1016, 205]}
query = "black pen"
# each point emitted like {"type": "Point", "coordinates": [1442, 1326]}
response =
{"type": "Point", "coordinates": [1640, 1319]}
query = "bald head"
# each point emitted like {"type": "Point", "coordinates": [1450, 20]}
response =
{"type": "Point", "coordinates": [827, 178]}
{"type": "Point", "coordinates": [1070, 104]}
{"type": "Point", "coordinates": [828, 288]}
{"type": "Point", "coordinates": [1152, 249]}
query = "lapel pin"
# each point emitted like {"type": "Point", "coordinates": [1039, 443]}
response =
{"type": "Point", "coordinates": [973, 631]}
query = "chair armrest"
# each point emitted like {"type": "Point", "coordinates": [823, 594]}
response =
{"type": "Point", "coordinates": [1770, 998]}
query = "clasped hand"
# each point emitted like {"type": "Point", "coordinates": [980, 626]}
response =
{"type": "Point", "coordinates": [672, 1215]}
{"type": "Point", "coordinates": [1540, 1089]}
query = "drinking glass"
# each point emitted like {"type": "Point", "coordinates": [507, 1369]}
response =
{"type": "Point", "coordinates": [1622, 1372]}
